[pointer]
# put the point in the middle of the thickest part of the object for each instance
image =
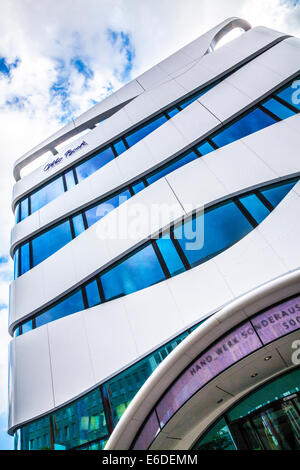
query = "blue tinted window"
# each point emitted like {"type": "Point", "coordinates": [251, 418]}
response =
{"type": "Point", "coordinates": [70, 180]}
{"type": "Point", "coordinates": [216, 230]}
{"type": "Point", "coordinates": [72, 304]}
{"type": "Point", "coordinates": [291, 94]}
{"type": "Point", "coordinates": [24, 209]}
{"type": "Point", "coordinates": [252, 122]}
{"type": "Point", "coordinates": [17, 332]}
{"type": "Point", "coordinates": [205, 148]}
{"type": "Point", "coordinates": [139, 134]}
{"type": "Point", "coordinates": [140, 270]}
{"type": "Point", "coordinates": [120, 147]}
{"type": "Point", "coordinates": [97, 212]}
{"type": "Point", "coordinates": [49, 242]}
{"type": "Point", "coordinates": [88, 167]}
{"type": "Point", "coordinates": [172, 112]}
{"type": "Point", "coordinates": [27, 326]}
{"type": "Point", "coordinates": [277, 193]}
{"type": "Point", "coordinates": [25, 259]}
{"type": "Point", "coordinates": [120, 390]}
{"type": "Point", "coordinates": [170, 255]}
{"type": "Point", "coordinates": [92, 293]}
{"type": "Point", "coordinates": [78, 224]}
{"type": "Point", "coordinates": [256, 208]}
{"type": "Point", "coordinates": [173, 166]}
{"type": "Point", "coordinates": [16, 263]}
{"type": "Point", "coordinates": [17, 213]}
{"type": "Point", "coordinates": [138, 187]}
{"type": "Point", "coordinates": [278, 109]}
{"type": "Point", "coordinates": [46, 194]}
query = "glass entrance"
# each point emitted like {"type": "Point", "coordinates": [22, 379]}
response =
{"type": "Point", "coordinates": [275, 427]}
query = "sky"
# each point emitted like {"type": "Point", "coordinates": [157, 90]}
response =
{"type": "Point", "coordinates": [59, 58]}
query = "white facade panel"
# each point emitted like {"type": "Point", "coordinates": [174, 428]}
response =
{"type": "Point", "coordinates": [33, 391]}
{"type": "Point", "coordinates": [70, 358]}
{"type": "Point", "coordinates": [153, 319]}
{"type": "Point", "coordinates": [108, 330]}
{"type": "Point", "coordinates": [195, 121]}
{"type": "Point", "coordinates": [283, 59]}
{"type": "Point", "coordinates": [237, 167]}
{"type": "Point", "coordinates": [224, 101]}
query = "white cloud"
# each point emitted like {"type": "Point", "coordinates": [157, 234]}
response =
{"type": "Point", "coordinates": [47, 34]}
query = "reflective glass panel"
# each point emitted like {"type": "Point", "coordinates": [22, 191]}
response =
{"type": "Point", "coordinates": [172, 112]}
{"type": "Point", "coordinates": [256, 208]}
{"type": "Point", "coordinates": [138, 187]}
{"type": "Point", "coordinates": [139, 134]}
{"type": "Point", "coordinates": [140, 270]}
{"type": "Point", "coordinates": [170, 255]}
{"type": "Point", "coordinates": [291, 94]}
{"type": "Point", "coordinates": [49, 242]}
{"type": "Point", "coordinates": [252, 122]}
{"type": "Point", "coordinates": [92, 293]}
{"type": "Point", "coordinates": [119, 147]}
{"type": "Point", "coordinates": [88, 167]}
{"type": "Point", "coordinates": [121, 389]}
{"type": "Point", "coordinates": [25, 258]}
{"type": "Point", "coordinates": [46, 194]}
{"type": "Point", "coordinates": [218, 438]}
{"type": "Point", "coordinates": [205, 148]}
{"type": "Point", "coordinates": [24, 209]}
{"type": "Point", "coordinates": [278, 427]}
{"type": "Point", "coordinates": [73, 303]}
{"type": "Point", "coordinates": [209, 234]}
{"type": "Point", "coordinates": [97, 212]}
{"type": "Point", "coordinates": [278, 109]}
{"type": "Point", "coordinates": [17, 213]}
{"type": "Point", "coordinates": [16, 263]}
{"type": "Point", "coordinates": [81, 422]}
{"type": "Point", "coordinates": [78, 224]}
{"type": "Point", "coordinates": [282, 386]}
{"type": "Point", "coordinates": [70, 180]}
{"type": "Point", "coordinates": [36, 435]}
{"type": "Point", "coordinates": [27, 326]}
{"type": "Point", "coordinates": [275, 194]}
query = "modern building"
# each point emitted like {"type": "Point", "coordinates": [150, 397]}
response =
{"type": "Point", "coordinates": [173, 332]}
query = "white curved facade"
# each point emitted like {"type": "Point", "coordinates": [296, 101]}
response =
{"type": "Point", "coordinates": [56, 363]}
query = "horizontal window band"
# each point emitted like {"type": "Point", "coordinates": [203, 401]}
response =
{"type": "Point", "coordinates": [252, 120]}
{"type": "Point", "coordinates": [116, 145]}
{"type": "Point", "coordinates": [178, 249]}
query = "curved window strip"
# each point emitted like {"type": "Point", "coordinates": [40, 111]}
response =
{"type": "Point", "coordinates": [246, 338]}
{"type": "Point", "coordinates": [183, 247]}
{"type": "Point", "coordinates": [87, 423]}
{"type": "Point", "coordinates": [67, 179]}
{"type": "Point", "coordinates": [44, 245]}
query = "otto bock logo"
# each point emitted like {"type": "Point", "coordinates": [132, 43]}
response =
{"type": "Point", "coordinates": [68, 153]}
{"type": "Point", "coordinates": [71, 151]}
{"type": "Point", "coordinates": [52, 164]}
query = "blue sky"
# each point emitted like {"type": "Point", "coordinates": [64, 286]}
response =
{"type": "Point", "coordinates": [57, 59]}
